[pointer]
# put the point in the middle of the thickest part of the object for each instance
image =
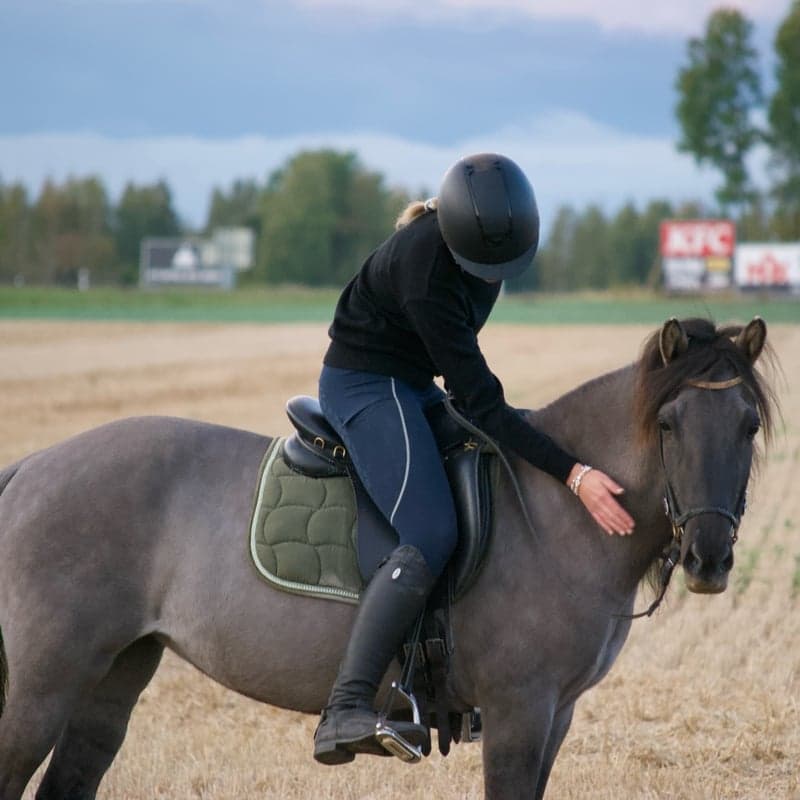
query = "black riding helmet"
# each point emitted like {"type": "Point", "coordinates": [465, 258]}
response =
{"type": "Point", "coordinates": [488, 216]}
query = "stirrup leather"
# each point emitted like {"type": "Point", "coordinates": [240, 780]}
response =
{"type": "Point", "coordinates": [390, 740]}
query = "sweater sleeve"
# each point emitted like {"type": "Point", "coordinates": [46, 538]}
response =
{"type": "Point", "coordinates": [441, 324]}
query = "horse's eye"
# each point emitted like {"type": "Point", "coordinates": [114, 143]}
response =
{"type": "Point", "coordinates": [753, 430]}
{"type": "Point", "coordinates": [664, 426]}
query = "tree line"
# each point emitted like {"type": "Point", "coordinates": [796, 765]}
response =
{"type": "Point", "coordinates": [319, 215]}
{"type": "Point", "coordinates": [315, 219]}
{"type": "Point", "coordinates": [73, 225]}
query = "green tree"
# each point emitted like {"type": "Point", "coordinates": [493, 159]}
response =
{"type": "Point", "coordinates": [628, 247]}
{"type": "Point", "coordinates": [142, 211]}
{"type": "Point", "coordinates": [591, 253]}
{"type": "Point", "coordinates": [784, 121]}
{"type": "Point", "coordinates": [719, 89]}
{"type": "Point", "coordinates": [553, 265]}
{"type": "Point", "coordinates": [755, 223]}
{"type": "Point", "coordinates": [70, 229]}
{"type": "Point", "coordinates": [86, 232]}
{"type": "Point", "coordinates": [322, 214]}
{"type": "Point", "coordinates": [240, 206]}
{"type": "Point", "coordinates": [655, 212]}
{"type": "Point", "coordinates": [15, 238]}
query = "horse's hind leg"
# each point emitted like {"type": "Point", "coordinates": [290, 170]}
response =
{"type": "Point", "coordinates": [47, 673]}
{"type": "Point", "coordinates": [96, 729]}
{"type": "Point", "coordinates": [28, 729]}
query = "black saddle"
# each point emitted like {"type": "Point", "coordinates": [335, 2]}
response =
{"type": "Point", "coordinates": [315, 450]}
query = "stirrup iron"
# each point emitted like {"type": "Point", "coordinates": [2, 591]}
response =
{"type": "Point", "coordinates": [472, 727]}
{"type": "Point", "coordinates": [390, 740]}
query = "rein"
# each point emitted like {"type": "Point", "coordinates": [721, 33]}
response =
{"type": "Point", "coordinates": [671, 555]}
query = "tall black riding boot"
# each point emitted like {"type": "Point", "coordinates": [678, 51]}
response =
{"type": "Point", "coordinates": [389, 606]}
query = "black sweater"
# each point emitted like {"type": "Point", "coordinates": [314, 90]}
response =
{"type": "Point", "coordinates": [411, 312]}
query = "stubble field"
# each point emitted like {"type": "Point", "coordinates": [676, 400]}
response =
{"type": "Point", "coordinates": [702, 703]}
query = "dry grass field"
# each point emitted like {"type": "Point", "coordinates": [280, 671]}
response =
{"type": "Point", "coordinates": [702, 703]}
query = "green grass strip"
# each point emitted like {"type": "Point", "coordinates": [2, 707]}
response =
{"type": "Point", "coordinates": [292, 304]}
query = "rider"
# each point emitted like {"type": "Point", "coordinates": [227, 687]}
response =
{"type": "Point", "coordinates": [411, 313]}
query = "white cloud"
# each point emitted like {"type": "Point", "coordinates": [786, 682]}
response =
{"type": "Point", "coordinates": [673, 17]}
{"type": "Point", "coordinates": [569, 158]}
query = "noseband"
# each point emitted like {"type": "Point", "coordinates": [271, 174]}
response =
{"type": "Point", "coordinates": [671, 555]}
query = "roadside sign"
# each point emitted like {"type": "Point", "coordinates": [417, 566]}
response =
{"type": "Point", "coordinates": [765, 265]}
{"type": "Point", "coordinates": [195, 261]}
{"type": "Point", "coordinates": [697, 254]}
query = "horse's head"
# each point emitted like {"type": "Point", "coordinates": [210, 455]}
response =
{"type": "Point", "coordinates": [701, 403]}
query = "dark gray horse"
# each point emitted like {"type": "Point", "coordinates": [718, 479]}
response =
{"type": "Point", "coordinates": [132, 537]}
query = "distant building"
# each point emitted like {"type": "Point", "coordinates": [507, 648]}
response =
{"type": "Point", "coordinates": [194, 261]}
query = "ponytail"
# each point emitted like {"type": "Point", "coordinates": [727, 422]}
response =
{"type": "Point", "coordinates": [415, 209]}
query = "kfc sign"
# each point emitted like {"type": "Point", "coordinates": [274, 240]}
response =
{"type": "Point", "coordinates": [705, 238]}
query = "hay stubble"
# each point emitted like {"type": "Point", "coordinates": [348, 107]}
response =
{"type": "Point", "coordinates": [702, 703]}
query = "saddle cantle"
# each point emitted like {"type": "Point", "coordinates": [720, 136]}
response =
{"type": "Point", "coordinates": [315, 450]}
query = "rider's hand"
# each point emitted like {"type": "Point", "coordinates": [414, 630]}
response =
{"type": "Point", "coordinates": [597, 492]}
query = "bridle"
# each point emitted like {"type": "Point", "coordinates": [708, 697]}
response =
{"type": "Point", "coordinates": [671, 555]}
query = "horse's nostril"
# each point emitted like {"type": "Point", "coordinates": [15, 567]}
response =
{"type": "Point", "coordinates": [692, 561]}
{"type": "Point", "coordinates": [727, 564]}
{"type": "Point", "coordinates": [695, 564]}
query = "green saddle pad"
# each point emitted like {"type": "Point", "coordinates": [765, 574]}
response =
{"type": "Point", "coordinates": [303, 531]}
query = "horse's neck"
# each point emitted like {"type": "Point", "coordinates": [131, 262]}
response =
{"type": "Point", "coordinates": [596, 424]}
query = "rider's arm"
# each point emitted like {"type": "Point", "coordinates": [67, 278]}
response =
{"type": "Point", "coordinates": [441, 323]}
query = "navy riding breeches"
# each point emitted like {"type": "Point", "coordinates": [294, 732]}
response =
{"type": "Point", "coordinates": [382, 423]}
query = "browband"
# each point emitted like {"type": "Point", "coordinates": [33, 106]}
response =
{"type": "Point", "coordinates": [715, 384]}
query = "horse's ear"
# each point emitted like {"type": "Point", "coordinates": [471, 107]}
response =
{"type": "Point", "coordinates": [751, 340]}
{"type": "Point", "coordinates": [672, 340]}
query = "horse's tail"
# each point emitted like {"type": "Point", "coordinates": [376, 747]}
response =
{"type": "Point", "coordinates": [8, 473]}
{"type": "Point", "coordinates": [3, 674]}
{"type": "Point", "coordinates": [5, 477]}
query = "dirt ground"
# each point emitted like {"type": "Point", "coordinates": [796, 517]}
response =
{"type": "Point", "coordinates": [702, 703]}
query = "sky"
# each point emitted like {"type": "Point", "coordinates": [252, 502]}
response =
{"type": "Point", "coordinates": [201, 92]}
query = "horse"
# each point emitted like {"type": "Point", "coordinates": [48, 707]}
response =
{"type": "Point", "coordinates": [128, 539]}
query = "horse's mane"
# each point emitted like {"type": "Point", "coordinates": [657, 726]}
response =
{"type": "Point", "coordinates": [712, 354]}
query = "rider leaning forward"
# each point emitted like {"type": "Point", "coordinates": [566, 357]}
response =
{"type": "Point", "coordinates": [412, 312]}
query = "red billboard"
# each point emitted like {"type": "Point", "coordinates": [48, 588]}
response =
{"type": "Point", "coordinates": [697, 254]}
{"type": "Point", "coordinates": [698, 238]}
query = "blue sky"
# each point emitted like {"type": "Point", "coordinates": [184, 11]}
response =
{"type": "Point", "coordinates": [200, 92]}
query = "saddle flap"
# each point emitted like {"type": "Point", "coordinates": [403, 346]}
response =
{"type": "Point", "coordinates": [470, 472]}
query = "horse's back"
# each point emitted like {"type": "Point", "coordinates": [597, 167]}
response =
{"type": "Point", "coordinates": [137, 434]}
{"type": "Point", "coordinates": [114, 507]}
{"type": "Point", "coordinates": [130, 462]}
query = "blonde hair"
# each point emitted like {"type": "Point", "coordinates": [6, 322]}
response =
{"type": "Point", "coordinates": [416, 208]}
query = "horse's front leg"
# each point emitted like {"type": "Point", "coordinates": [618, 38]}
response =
{"type": "Point", "coordinates": [558, 730]}
{"type": "Point", "coordinates": [516, 730]}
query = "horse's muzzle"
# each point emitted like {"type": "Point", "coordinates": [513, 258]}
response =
{"type": "Point", "coordinates": [708, 558]}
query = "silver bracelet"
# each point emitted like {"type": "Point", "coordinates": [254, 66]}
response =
{"type": "Point", "coordinates": [575, 485]}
